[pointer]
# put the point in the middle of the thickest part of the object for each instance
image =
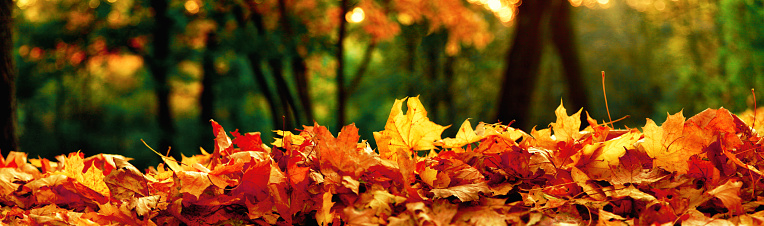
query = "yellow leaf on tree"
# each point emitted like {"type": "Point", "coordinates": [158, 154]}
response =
{"type": "Point", "coordinates": [412, 131]}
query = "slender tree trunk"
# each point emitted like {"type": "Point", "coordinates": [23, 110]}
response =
{"type": "Point", "coordinates": [564, 39]}
{"type": "Point", "coordinates": [341, 95]}
{"type": "Point", "coordinates": [161, 52]}
{"type": "Point", "coordinates": [299, 68]}
{"type": "Point", "coordinates": [207, 98]}
{"type": "Point", "coordinates": [8, 138]}
{"type": "Point", "coordinates": [432, 50]}
{"type": "Point", "coordinates": [451, 90]}
{"type": "Point", "coordinates": [275, 109]}
{"type": "Point", "coordinates": [278, 108]}
{"type": "Point", "coordinates": [289, 106]}
{"type": "Point", "coordinates": [522, 64]}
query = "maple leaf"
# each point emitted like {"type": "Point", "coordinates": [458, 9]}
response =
{"type": "Point", "coordinates": [668, 144]}
{"type": "Point", "coordinates": [635, 167]}
{"type": "Point", "coordinates": [125, 181]}
{"type": "Point", "coordinates": [583, 180]}
{"type": "Point", "coordinates": [325, 215]}
{"type": "Point", "coordinates": [567, 127]}
{"type": "Point", "coordinates": [193, 183]}
{"type": "Point", "coordinates": [412, 131]}
{"type": "Point", "coordinates": [729, 194]}
{"type": "Point", "coordinates": [248, 141]}
{"type": "Point", "coordinates": [343, 152]}
{"type": "Point", "coordinates": [382, 200]}
{"type": "Point", "coordinates": [599, 158]}
{"type": "Point", "coordinates": [465, 192]}
{"type": "Point", "coordinates": [10, 179]}
{"type": "Point", "coordinates": [465, 136]}
{"type": "Point", "coordinates": [93, 178]}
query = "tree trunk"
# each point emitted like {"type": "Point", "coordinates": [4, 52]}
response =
{"type": "Point", "coordinates": [299, 67]}
{"type": "Point", "coordinates": [341, 95]}
{"type": "Point", "coordinates": [207, 97]}
{"type": "Point", "coordinates": [8, 138]}
{"type": "Point", "coordinates": [279, 104]}
{"type": "Point", "coordinates": [565, 41]}
{"type": "Point", "coordinates": [161, 52]}
{"type": "Point", "coordinates": [522, 64]}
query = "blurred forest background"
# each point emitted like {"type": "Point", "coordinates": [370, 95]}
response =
{"type": "Point", "coordinates": [99, 75]}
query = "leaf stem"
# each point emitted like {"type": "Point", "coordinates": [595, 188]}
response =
{"type": "Point", "coordinates": [605, 95]}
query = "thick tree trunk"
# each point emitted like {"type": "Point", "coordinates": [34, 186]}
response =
{"type": "Point", "coordinates": [565, 41]}
{"type": "Point", "coordinates": [341, 95]}
{"type": "Point", "coordinates": [522, 64]}
{"type": "Point", "coordinates": [8, 138]}
{"type": "Point", "coordinates": [161, 52]}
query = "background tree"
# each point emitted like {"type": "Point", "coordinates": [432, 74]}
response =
{"type": "Point", "coordinates": [8, 139]}
{"type": "Point", "coordinates": [538, 21]}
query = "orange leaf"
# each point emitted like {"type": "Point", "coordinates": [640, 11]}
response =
{"type": "Point", "coordinates": [729, 194]}
{"type": "Point", "coordinates": [668, 144]}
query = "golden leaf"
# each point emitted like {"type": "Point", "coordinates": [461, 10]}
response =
{"type": "Point", "coordinates": [412, 131]}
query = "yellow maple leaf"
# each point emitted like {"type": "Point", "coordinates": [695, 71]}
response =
{"type": "Point", "coordinates": [93, 178]}
{"type": "Point", "coordinates": [412, 131]}
{"type": "Point", "coordinates": [466, 135]}
{"type": "Point", "coordinates": [567, 127]}
{"type": "Point", "coordinates": [671, 144]}
{"type": "Point", "coordinates": [600, 158]}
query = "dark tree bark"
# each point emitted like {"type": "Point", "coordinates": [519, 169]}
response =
{"type": "Point", "coordinates": [8, 138]}
{"type": "Point", "coordinates": [525, 54]}
{"type": "Point", "coordinates": [451, 90]}
{"type": "Point", "coordinates": [299, 67]}
{"type": "Point", "coordinates": [282, 104]}
{"type": "Point", "coordinates": [522, 63]}
{"type": "Point", "coordinates": [207, 97]}
{"type": "Point", "coordinates": [158, 67]}
{"type": "Point", "coordinates": [341, 91]}
{"type": "Point", "coordinates": [565, 42]}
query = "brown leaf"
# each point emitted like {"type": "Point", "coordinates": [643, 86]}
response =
{"type": "Point", "coordinates": [125, 181]}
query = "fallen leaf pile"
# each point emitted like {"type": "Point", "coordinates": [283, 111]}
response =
{"type": "Point", "coordinates": [705, 170]}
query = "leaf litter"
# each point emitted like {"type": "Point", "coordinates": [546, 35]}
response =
{"type": "Point", "coordinates": [705, 170]}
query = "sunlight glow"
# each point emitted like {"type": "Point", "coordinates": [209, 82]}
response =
{"type": "Point", "coordinates": [576, 3]}
{"type": "Point", "coordinates": [659, 5]}
{"type": "Point", "coordinates": [191, 6]}
{"type": "Point", "coordinates": [405, 19]}
{"type": "Point", "coordinates": [603, 2]}
{"type": "Point", "coordinates": [506, 14]}
{"type": "Point", "coordinates": [94, 4]}
{"type": "Point", "coordinates": [355, 16]}
{"type": "Point", "coordinates": [494, 5]}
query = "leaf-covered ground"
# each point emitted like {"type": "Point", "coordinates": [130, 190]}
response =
{"type": "Point", "coordinates": [704, 170]}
